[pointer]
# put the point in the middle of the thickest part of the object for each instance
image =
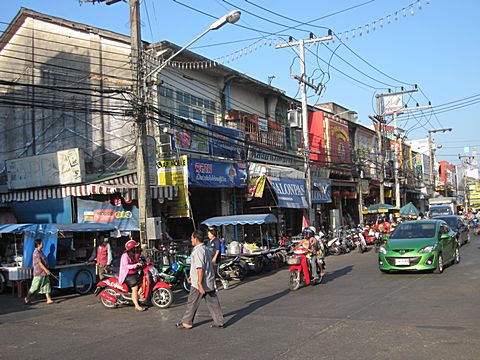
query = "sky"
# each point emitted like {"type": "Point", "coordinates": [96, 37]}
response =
{"type": "Point", "coordinates": [436, 48]}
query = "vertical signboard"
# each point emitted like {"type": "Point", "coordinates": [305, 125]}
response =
{"type": "Point", "coordinates": [175, 172]}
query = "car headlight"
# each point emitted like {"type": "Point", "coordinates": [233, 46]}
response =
{"type": "Point", "coordinates": [383, 250]}
{"type": "Point", "coordinates": [428, 249]}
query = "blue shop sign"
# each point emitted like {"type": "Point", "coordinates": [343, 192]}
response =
{"type": "Point", "coordinates": [226, 142]}
{"type": "Point", "coordinates": [291, 193]}
{"type": "Point", "coordinates": [124, 218]}
{"type": "Point", "coordinates": [322, 191]}
{"type": "Point", "coordinates": [211, 173]}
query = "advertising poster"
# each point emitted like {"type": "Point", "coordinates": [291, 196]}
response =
{"type": "Point", "coordinates": [192, 136]}
{"type": "Point", "coordinates": [226, 142]}
{"type": "Point", "coordinates": [174, 172]}
{"type": "Point", "coordinates": [91, 211]}
{"type": "Point", "coordinates": [203, 172]}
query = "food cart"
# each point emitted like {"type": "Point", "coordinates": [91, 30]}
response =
{"type": "Point", "coordinates": [67, 248]}
{"type": "Point", "coordinates": [255, 257]}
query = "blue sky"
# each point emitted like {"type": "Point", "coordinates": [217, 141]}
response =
{"type": "Point", "coordinates": [435, 48]}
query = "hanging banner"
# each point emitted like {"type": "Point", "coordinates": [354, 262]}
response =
{"type": "Point", "coordinates": [256, 185]}
{"type": "Point", "coordinates": [202, 172]}
{"type": "Point", "coordinates": [125, 218]}
{"type": "Point", "coordinates": [339, 144]}
{"type": "Point", "coordinates": [291, 193]}
{"type": "Point", "coordinates": [226, 142]}
{"type": "Point", "coordinates": [174, 172]}
{"type": "Point", "coordinates": [321, 191]}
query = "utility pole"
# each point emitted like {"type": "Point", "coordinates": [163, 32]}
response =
{"type": "Point", "coordinates": [143, 179]}
{"type": "Point", "coordinates": [466, 192]}
{"type": "Point", "coordinates": [139, 104]}
{"type": "Point", "coordinates": [303, 89]}
{"type": "Point", "coordinates": [432, 154]}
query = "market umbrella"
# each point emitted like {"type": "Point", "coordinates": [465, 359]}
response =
{"type": "Point", "coordinates": [409, 210]}
{"type": "Point", "coordinates": [380, 208]}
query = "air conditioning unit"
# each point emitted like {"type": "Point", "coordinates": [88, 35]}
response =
{"type": "Point", "coordinates": [154, 228]}
{"type": "Point", "coordinates": [295, 118]}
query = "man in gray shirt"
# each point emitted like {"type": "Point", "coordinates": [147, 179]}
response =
{"type": "Point", "coordinates": [202, 277]}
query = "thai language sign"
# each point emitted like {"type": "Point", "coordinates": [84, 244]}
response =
{"type": "Point", "coordinates": [60, 168]}
{"type": "Point", "coordinates": [174, 172]}
{"type": "Point", "coordinates": [202, 172]}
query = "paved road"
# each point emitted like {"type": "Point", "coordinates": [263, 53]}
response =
{"type": "Point", "coordinates": [358, 313]}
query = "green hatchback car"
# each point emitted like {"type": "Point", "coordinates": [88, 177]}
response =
{"type": "Point", "coordinates": [419, 245]}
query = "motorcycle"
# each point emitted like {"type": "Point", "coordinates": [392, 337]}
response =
{"type": "Point", "coordinates": [360, 241]}
{"type": "Point", "coordinates": [178, 272]}
{"type": "Point", "coordinates": [475, 226]}
{"type": "Point", "coordinates": [300, 270]}
{"type": "Point", "coordinates": [232, 268]}
{"type": "Point", "coordinates": [155, 292]}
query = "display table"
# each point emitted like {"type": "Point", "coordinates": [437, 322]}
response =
{"type": "Point", "coordinates": [18, 276]}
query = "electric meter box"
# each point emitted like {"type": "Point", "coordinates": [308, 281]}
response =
{"type": "Point", "coordinates": [154, 228]}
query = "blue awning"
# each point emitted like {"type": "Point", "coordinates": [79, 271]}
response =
{"type": "Point", "coordinates": [13, 228]}
{"type": "Point", "coordinates": [248, 219]}
{"type": "Point", "coordinates": [291, 193]}
{"type": "Point", "coordinates": [85, 227]}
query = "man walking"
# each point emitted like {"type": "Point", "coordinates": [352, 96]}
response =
{"type": "Point", "coordinates": [202, 278]}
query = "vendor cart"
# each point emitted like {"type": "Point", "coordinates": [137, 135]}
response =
{"type": "Point", "coordinates": [67, 248]}
{"type": "Point", "coordinates": [256, 258]}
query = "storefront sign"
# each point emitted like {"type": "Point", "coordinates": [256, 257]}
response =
{"type": "Point", "coordinates": [209, 173]}
{"type": "Point", "coordinates": [91, 211]}
{"type": "Point", "coordinates": [226, 142]}
{"type": "Point", "coordinates": [261, 155]}
{"type": "Point", "coordinates": [339, 143]}
{"type": "Point", "coordinates": [321, 191]}
{"type": "Point", "coordinates": [60, 168]}
{"type": "Point", "coordinates": [174, 172]}
{"type": "Point", "coordinates": [291, 193]}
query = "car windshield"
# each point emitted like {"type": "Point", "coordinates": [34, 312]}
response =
{"type": "Point", "coordinates": [414, 231]}
{"type": "Point", "coordinates": [441, 210]}
{"type": "Point", "coordinates": [451, 221]}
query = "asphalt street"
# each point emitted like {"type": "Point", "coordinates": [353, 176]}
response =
{"type": "Point", "coordinates": [357, 313]}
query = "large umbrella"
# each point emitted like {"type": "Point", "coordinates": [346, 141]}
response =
{"type": "Point", "coordinates": [409, 210]}
{"type": "Point", "coordinates": [380, 208]}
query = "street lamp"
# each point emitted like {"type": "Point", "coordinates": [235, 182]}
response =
{"type": "Point", "coordinates": [231, 18]}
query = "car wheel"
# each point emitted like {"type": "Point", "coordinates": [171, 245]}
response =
{"type": "Point", "coordinates": [456, 260]}
{"type": "Point", "coordinates": [439, 268]}
{"type": "Point", "coordinates": [385, 271]}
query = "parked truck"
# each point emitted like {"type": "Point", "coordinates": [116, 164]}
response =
{"type": "Point", "coordinates": [442, 205]}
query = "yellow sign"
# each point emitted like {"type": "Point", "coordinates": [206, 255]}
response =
{"type": "Point", "coordinates": [175, 172]}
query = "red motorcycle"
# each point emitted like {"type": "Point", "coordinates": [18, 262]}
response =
{"type": "Point", "coordinates": [300, 270]}
{"type": "Point", "coordinates": [156, 292]}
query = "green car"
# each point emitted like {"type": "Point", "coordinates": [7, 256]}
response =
{"type": "Point", "coordinates": [419, 245]}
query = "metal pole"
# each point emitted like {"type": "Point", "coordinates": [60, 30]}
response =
{"type": "Point", "coordinates": [396, 162]}
{"type": "Point", "coordinates": [143, 181]}
{"type": "Point", "coordinates": [306, 139]}
{"type": "Point", "coordinates": [381, 157]}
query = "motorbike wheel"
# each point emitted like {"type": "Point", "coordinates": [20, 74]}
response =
{"type": "Point", "coordinates": [107, 303]}
{"type": "Point", "coordinates": [238, 273]}
{"type": "Point", "coordinates": [294, 281]}
{"type": "Point", "coordinates": [162, 298]}
{"type": "Point", "coordinates": [186, 285]}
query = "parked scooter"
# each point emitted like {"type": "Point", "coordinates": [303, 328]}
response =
{"type": "Point", "coordinates": [300, 270]}
{"type": "Point", "coordinates": [178, 272]}
{"type": "Point", "coordinates": [232, 268]}
{"type": "Point", "coordinates": [155, 292]}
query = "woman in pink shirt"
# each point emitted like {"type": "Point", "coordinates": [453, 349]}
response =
{"type": "Point", "coordinates": [128, 271]}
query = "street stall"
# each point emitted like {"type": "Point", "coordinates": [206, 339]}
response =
{"type": "Point", "coordinates": [66, 246]}
{"type": "Point", "coordinates": [376, 210]}
{"type": "Point", "coordinates": [256, 252]}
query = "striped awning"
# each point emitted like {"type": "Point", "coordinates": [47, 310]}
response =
{"type": "Point", "coordinates": [156, 192]}
{"type": "Point", "coordinates": [58, 192]}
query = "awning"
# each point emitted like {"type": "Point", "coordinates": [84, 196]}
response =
{"type": "Point", "coordinates": [85, 227]}
{"type": "Point", "coordinates": [156, 192]}
{"type": "Point", "coordinates": [257, 169]}
{"type": "Point", "coordinates": [250, 219]}
{"type": "Point", "coordinates": [291, 193]}
{"type": "Point", "coordinates": [58, 192]}
{"type": "Point", "coordinates": [321, 191]}
{"type": "Point", "coordinates": [13, 228]}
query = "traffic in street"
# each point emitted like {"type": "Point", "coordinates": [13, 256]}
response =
{"type": "Point", "coordinates": [357, 312]}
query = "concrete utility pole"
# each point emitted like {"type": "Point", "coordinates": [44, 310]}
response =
{"type": "Point", "coordinates": [303, 89]}
{"type": "Point", "coordinates": [465, 159]}
{"type": "Point", "coordinates": [381, 121]}
{"type": "Point", "coordinates": [139, 103]}
{"type": "Point", "coordinates": [143, 180]}
{"type": "Point", "coordinates": [432, 153]}
{"type": "Point", "coordinates": [397, 149]}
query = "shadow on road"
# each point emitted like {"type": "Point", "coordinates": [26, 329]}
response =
{"type": "Point", "coordinates": [330, 276]}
